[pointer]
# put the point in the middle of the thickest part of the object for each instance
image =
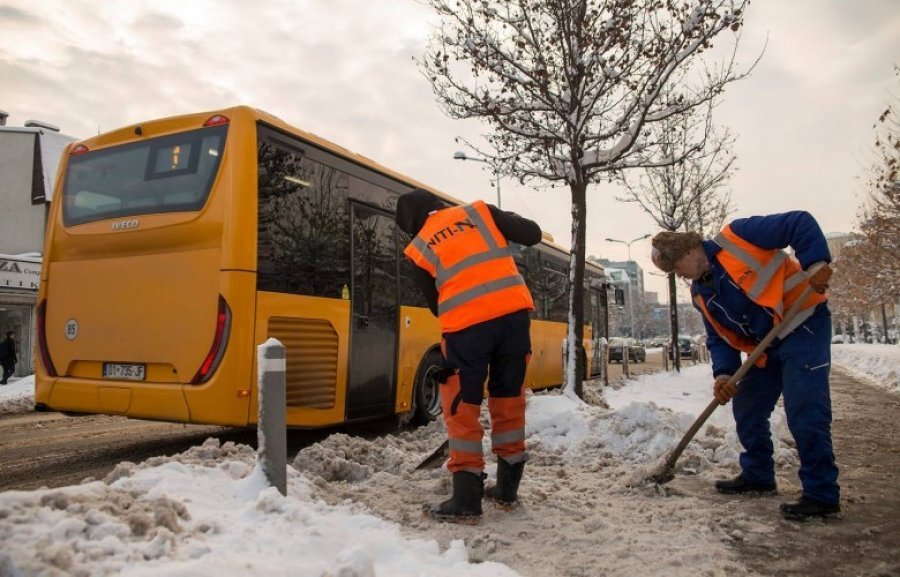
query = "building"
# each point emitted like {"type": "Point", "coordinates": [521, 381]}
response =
{"type": "Point", "coordinates": [29, 157]}
{"type": "Point", "coordinates": [627, 276]}
{"type": "Point", "coordinates": [634, 270]}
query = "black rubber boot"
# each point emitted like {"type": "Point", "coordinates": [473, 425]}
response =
{"type": "Point", "coordinates": [464, 506]}
{"type": "Point", "coordinates": [741, 486]}
{"type": "Point", "coordinates": [807, 508]}
{"type": "Point", "coordinates": [506, 492]}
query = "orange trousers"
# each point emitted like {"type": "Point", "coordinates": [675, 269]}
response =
{"type": "Point", "coordinates": [496, 351]}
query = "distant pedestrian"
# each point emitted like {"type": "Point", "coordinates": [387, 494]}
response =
{"type": "Point", "coordinates": [8, 358]}
{"type": "Point", "coordinates": [465, 270]}
{"type": "Point", "coordinates": [743, 283]}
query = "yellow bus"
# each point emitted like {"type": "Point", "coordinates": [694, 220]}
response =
{"type": "Point", "coordinates": [176, 246]}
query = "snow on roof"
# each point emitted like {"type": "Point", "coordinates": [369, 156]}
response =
{"type": "Point", "coordinates": [24, 257]}
{"type": "Point", "coordinates": [52, 145]}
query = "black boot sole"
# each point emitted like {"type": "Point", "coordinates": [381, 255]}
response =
{"type": "Point", "coordinates": [456, 518]}
{"type": "Point", "coordinates": [748, 492]}
{"type": "Point", "coordinates": [506, 507]}
{"type": "Point", "coordinates": [801, 517]}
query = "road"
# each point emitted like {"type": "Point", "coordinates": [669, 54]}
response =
{"type": "Point", "coordinates": [53, 450]}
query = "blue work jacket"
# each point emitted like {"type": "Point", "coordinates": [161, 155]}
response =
{"type": "Point", "coordinates": [730, 306]}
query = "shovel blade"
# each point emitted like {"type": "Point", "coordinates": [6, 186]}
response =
{"type": "Point", "coordinates": [436, 457]}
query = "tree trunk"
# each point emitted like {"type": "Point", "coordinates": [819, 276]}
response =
{"type": "Point", "coordinates": [673, 322]}
{"type": "Point", "coordinates": [575, 332]}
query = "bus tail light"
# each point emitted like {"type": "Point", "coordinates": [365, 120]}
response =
{"type": "Point", "coordinates": [220, 343]}
{"type": "Point", "coordinates": [216, 120]}
{"type": "Point", "coordinates": [80, 149]}
{"type": "Point", "coordinates": [42, 340]}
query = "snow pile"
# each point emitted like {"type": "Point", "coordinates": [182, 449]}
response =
{"type": "Point", "coordinates": [676, 399]}
{"type": "Point", "coordinates": [354, 504]}
{"type": "Point", "coordinates": [17, 396]}
{"type": "Point", "coordinates": [577, 516]}
{"type": "Point", "coordinates": [209, 512]}
{"type": "Point", "coordinates": [875, 364]}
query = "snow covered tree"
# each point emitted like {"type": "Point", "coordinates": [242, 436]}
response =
{"type": "Point", "coordinates": [570, 89]}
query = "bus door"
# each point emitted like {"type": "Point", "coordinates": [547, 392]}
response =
{"type": "Point", "coordinates": [374, 308]}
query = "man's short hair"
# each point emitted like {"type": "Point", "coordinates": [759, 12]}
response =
{"type": "Point", "coordinates": [669, 247]}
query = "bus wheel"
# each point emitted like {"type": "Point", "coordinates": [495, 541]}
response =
{"type": "Point", "coordinates": [427, 394]}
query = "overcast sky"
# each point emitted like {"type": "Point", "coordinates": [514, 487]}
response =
{"type": "Point", "coordinates": [343, 69]}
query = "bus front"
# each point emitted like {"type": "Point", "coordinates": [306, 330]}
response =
{"type": "Point", "coordinates": [145, 282]}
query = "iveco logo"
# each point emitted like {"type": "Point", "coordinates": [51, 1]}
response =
{"type": "Point", "coordinates": [125, 224]}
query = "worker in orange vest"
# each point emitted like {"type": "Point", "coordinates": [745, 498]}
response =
{"type": "Point", "coordinates": [465, 269]}
{"type": "Point", "coordinates": [743, 283]}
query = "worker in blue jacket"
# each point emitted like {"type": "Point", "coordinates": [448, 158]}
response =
{"type": "Point", "coordinates": [743, 283]}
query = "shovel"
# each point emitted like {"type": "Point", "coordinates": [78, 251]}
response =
{"type": "Point", "coordinates": [436, 457]}
{"type": "Point", "coordinates": [665, 472]}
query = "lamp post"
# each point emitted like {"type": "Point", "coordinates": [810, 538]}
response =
{"type": "Point", "coordinates": [630, 282]}
{"type": "Point", "coordinates": [460, 155]}
{"type": "Point", "coordinates": [628, 244]}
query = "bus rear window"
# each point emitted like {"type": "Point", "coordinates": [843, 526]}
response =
{"type": "Point", "coordinates": [167, 174]}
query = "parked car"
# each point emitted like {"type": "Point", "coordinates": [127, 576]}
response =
{"type": "Point", "coordinates": [636, 351]}
{"type": "Point", "coordinates": [657, 343]}
{"type": "Point", "coordinates": [685, 347]}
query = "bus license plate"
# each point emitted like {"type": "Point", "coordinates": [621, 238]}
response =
{"type": "Point", "coordinates": [123, 371]}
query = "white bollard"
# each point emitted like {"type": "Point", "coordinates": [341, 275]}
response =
{"type": "Point", "coordinates": [604, 360]}
{"type": "Point", "coordinates": [271, 428]}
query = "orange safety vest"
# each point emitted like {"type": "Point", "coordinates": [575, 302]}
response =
{"type": "Point", "coordinates": [769, 277]}
{"type": "Point", "coordinates": [475, 275]}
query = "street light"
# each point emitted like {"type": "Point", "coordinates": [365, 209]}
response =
{"type": "Point", "coordinates": [628, 244]}
{"type": "Point", "coordinates": [460, 155]}
{"type": "Point", "coordinates": [631, 281]}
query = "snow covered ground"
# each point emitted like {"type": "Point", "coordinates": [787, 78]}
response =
{"type": "Point", "coordinates": [876, 364]}
{"type": "Point", "coordinates": [354, 505]}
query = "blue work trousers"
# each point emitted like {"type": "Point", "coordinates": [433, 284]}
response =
{"type": "Point", "coordinates": [798, 368]}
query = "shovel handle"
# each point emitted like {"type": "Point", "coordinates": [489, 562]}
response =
{"type": "Point", "coordinates": [739, 374]}
{"type": "Point", "coordinates": [772, 334]}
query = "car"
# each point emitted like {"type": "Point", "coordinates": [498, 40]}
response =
{"type": "Point", "coordinates": [636, 351]}
{"type": "Point", "coordinates": [685, 347]}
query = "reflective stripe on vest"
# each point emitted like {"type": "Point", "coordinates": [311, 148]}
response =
{"type": "Point", "coordinates": [493, 252]}
{"type": "Point", "coordinates": [462, 248]}
{"type": "Point", "coordinates": [769, 277]}
{"type": "Point", "coordinates": [734, 339]}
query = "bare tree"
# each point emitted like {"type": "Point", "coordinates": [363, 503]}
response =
{"type": "Point", "coordinates": [688, 195]}
{"type": "Point", "coordinates": [868, 273]}
{"type": "Point", "coordinates": [570, 89]}
{"type": "Point", "coordinates": [691, 194]}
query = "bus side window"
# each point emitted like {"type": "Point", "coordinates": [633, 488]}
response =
{"type": "Point", "coordinates": [303, 229]}
{"type": "Point", "coordinates": [554, 279]}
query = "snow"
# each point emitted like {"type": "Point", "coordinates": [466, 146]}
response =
{"type": "Point", "coordinates": [353, 504]}
{"type": "Point", "coordinates": [17, 396]}
{"type": "Point", "coordinates": [878, 365]}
